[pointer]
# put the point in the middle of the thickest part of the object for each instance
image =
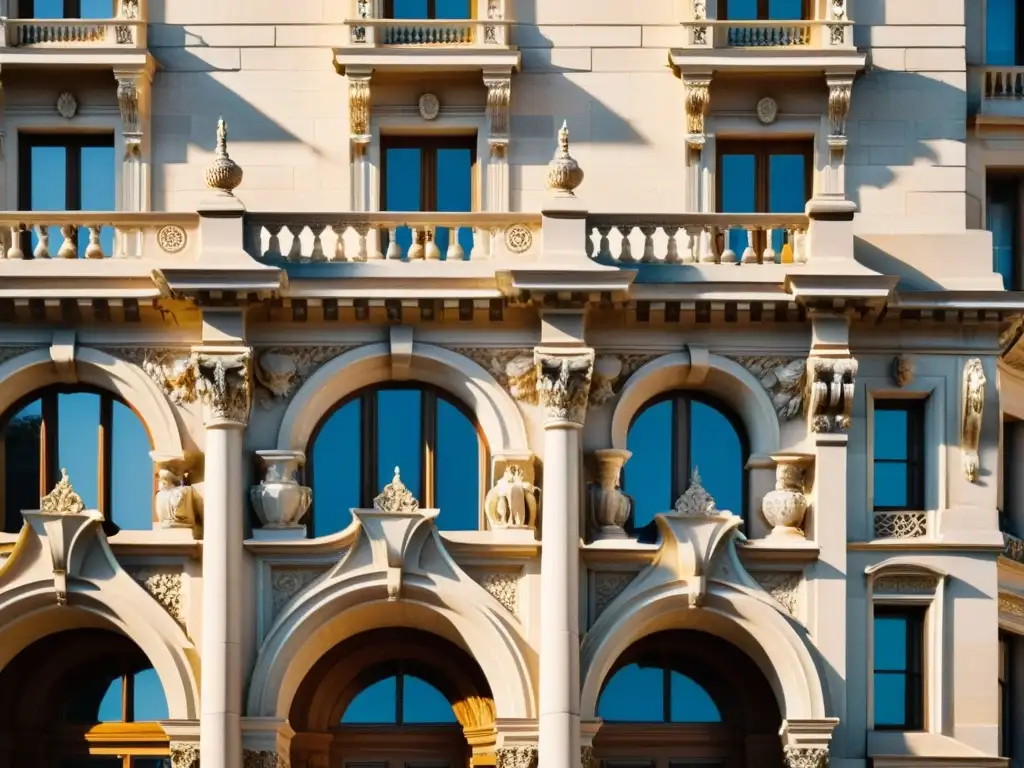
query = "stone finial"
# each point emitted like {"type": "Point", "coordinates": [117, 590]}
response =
{"type": "Point", "coordinates": [223, 174]}
{"type": "Point", "coordinates": [696, 501]}
{"type": "Point", "coordinates": [564, 173]}
{"type": "Point", "coordinates": [396, 498]}
{"type": "Point", "coordinates": [62, 500]}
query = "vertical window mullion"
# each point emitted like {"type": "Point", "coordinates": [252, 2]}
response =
{"type": "Point", "coordinates": [431, 9]}
{"type": "Point", "coordinates": [680, 448]}
{"type": "Point", "coordinates": [72, 9]}
{"type": "Point", "coordinates": [105, 440]}
{"type": "Point", "coordinates": [48, 445]}
{"type": "Point", "coordinates": [399, 694]}
{"type": "Point", "coordinates": [428, 428]}
{"type": "Point", "coordinates": [368, 436]}
{"type": "Point", "coordinates": [666, 694]}
{"type": "Point", "coordinates": [128, 698]}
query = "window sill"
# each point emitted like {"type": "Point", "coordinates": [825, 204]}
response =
{"type": "Point", "coordinates": [899, 749]}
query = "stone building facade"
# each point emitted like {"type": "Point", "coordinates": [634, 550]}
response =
{"type": "Point", "coordinates": [846, 370]}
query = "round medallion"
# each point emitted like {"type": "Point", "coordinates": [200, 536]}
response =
{"type": "Point", "coordinates": [767, 110]}
{"type": "Point", "coordinates": [518, 238]}
{"type": "Point", "coordinates": [171, 238]}
{"type": "Point", "coordinates": [67, 105]}
{"type": "Point", "coordinates": [429, 106]}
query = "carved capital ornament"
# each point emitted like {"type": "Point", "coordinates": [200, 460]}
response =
{"type": "Point", "coordinates": [830, 387]}
{"type": "Point", "coordinates": [698, 97]}
{"type": "Point", "coordinates": [563, 387]}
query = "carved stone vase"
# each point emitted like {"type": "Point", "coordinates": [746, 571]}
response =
{"type": "Point", "coordinates": [280, 502]}
{"type": "Point", "coordinates": [610, 508]}
{"type": "Point", "coordinates": [785, 507]}
{"type": "Point", "coordinates": [175, 507]}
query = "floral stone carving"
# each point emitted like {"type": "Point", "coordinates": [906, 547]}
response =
{"type": "Point", "coordinates": [287, 583]}
{"type": "Point", "coordinates": [973, 409]}
{"type": "Point", "coordinates": [609, 585]}
{"type": "Point", "coordinates": [280, 370]}
{"type": "Point", "coordinates": [513, 501]}
{"type": "Point", "coordinates": [280, 502]}
{"type": "Point", "coordinates": [166, 587]}
{"type": "Point", "coordinates": [609, 506]}
{"type": "Point", "coordinates": [783, 586]}
{"type": "Point", "coordinates": [184, 755]}
{"type": "Point", "coordinates": [503, 587]}
{"type": "Point", "coordinates": [395, 498]}
{"type": "Point", "coordinates": [785, 507]}
{"type": "Point", "coordinates": [696, 501]}
{"type": "Point", "coordinates": [806, 757]}
{"type": "Point", "coordinates": [782, 379]}
{"type": "Point", "coordinates": [252, 758]}
{"type": "Point", "coordinates": [607, 370]}
{"type": "Point", "coordinates": [62, 500]}
{"type": "Point", "coordinates": [517, 756]}
{"type": "Point", "coordinates": [222, 382]}
{"type": "Point", "coordinates": [563, 386]}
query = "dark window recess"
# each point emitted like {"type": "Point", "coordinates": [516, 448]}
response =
{"type": "Point", "coordinates": [1006, 707]}
{"type": "Point", "coordinates": [899, 668]}
{"type": "Point", "coordinates": [898, 455]}
{"type": "Point", "coordinates": [1004, 222]}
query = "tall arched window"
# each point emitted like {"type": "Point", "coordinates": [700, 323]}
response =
{"type": "Point", "coordinates": [672, 435]}
{"type": "Point", "coordinates": [431, 436]}
{"type": "Point", "coordinates": [101, 442]}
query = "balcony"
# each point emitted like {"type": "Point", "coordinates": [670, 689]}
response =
{"type": "Point", "coordinates": [998, 95]}
{"type": "Point", "coordinates": [437, 45]}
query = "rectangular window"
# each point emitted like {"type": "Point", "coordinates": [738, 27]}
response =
{"type": "Point", "coordinates": [898, 455]}
{"type": "Point", "coordinates": [66, 9]}
{"type": "Point", "coordinates": [899, 668]}
{"type": "Point", "coordinates": [66, 172]}
{"type": "Point", "coordinates": [429, 174]}
{"type": "Point", "coordinates": [763, 177]}
{"type": "Point", "coordinates": [1003, 33]}
{"type": "Point", "coordinates": [1003, 195]}
{"type": "Point", "coordinates": [767, 10]}
{"type": "Point", "coordinates": [428, 9]}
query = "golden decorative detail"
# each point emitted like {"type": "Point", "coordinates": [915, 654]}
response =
{"type": "Point", "coordinates": [223, 174]}
{"type": "Point", "coordinates": [396, 499]}
{"type": "Point", "coordinates": [564, 173]}
{"type": "Point", "coordinates": [697, 98]}
{"type": "Point", "coordinates": [62, 500]}
{"type": "Point", "coordinates": [359, 108]}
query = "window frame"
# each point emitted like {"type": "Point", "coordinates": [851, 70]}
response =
{"type": "Point", "coordinates": [915, 450]}
{"type": "Point", "coordinates": [428, 145]}
{"type": "Point", "coordinates": [1018, 27]}
{"type": "Point", "coordinates": [389, 11]}
{"type": "Point", "coordinates": [49, 451]}
{"type": "Point", "coordinates": [1008, 188]}
{"type": "Point", "coordinates": [369, 471]}
{"type": "Point", "coordinates": [762, 150]}
{"type": "Point", "coordinates": [762, 11]}
{"type": "Point", "coordinates": [915, 618]}
{"type": "Point", "coordinates": [73, 144]}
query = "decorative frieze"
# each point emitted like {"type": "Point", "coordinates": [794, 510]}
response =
{"type": "Point", "coordinates": [783, 379]}
{"type": "Point", "coordinates": [279, 371]}
{"type": "Point", "coordinates": [607, 586]}
{"type": "Point", "coordinates": [830, 387]}
{"type": "Point", "coordinates": [166, 586]}
{"type": "Point", "coordinates": [563, 386]}
{"type": "Point", "coordinates": [503, 587]}
{"type": "Point", "coordinates": [901, 525]}
{"type": "Point", "coordinates": [697, 97]}
{"type": "Point", "coordinates": [783, 586]}
{"type": "Point", "coordinates": [905, 584]}
{"type": "Point", "coordinates": [184, 755]}
{"type": "Point", "coordinates": [516, 756]}
{"type": "Point", "coordinates": [1011, 605]}
{"type": "Point", "coordinates": [806, 757]}
{"type": "Point", "coordinates": [286, 583]}
{"type": "Point", "coordinates": [972, 410]}
{"type": "Point", "coordinates": [252, 758]}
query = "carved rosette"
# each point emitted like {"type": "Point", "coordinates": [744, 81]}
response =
{"type": "Point", "coordinates": [252, 758]}
{"type": "Point", "coordinates": [516, 756]}
{"type": "Point", "coordinates": [830, 387]}
{"type": "Point", "coordinates": [783, 379]}
{"type": "Point", "coordinates": [697, 99]}
{"type": "Point", "coordinates": [359, 109]}
{"type": "Point", "coordinates": [806, 757]}
{"type": "Point", "coordinates": [224, 385]}
{"type": "Point", "coordinates": [287, 583]}
{"type": "Point", "coordinates": [563, 387]}
{"type": "Point", "coordinates": [972, 408]}
{"type": "Point", "coordinates": [184, 755]}
{"type": "Point", "coordinates": [499, 98]}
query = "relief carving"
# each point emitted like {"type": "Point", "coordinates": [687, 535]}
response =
{"type": "Point", "coordinates": [513, 501]}
{"type": "Point", "coordinates": [806, 757]}
{"type": "Point", "coordinates": [503, 587]}
{"type": "Point", "coordinates": [62, 500]}
{"type": "Point", "coordinates": [128, 103]}
{"type": "Point", "coordinates": [512, 368]}
{"type": "Point", "coordinates": [830, 387]}
{"type": "Point", "coordinates": [499, 98]}
{"type": "Point", "coordinates": [184, 755]}
{"type": "Point", "coordinates": [287, 583]}
{"type": "Point", "coordinates": [1011, 605]}
{"type": "Point", "coordinates": [783, 379]}
{"type": "Point", "coordinates": [607, 586]}
{"type": "Point", "coordinates": [587, 759]}
{"type": "Point", "coordinates": [517, 756]}
{"type": "Point", "coordinates": [700, 13]}
{"type": "Point", "coordinates": [837, 32]}
{"type": "Point", "coordinates": [563, 386]}
{"type": "Point", "coordinates": [696, 501]}
{"type": "Point", "coordinates": [607, 372]}
{"type": "Point", "coordinates": [839, 95]}
{"type": "Point", "coordinates": [281, 370]}
{"type": "Point", "coordinates": [903, 370]}
{"type": "Point", "coordinates": [222, 382]}
{"type": "Point", "coordinates": [395, 498]}
{"type": "Point", "coordinates": [175, 505]}
{"type": "Point", "coordinates": [166, 587]}
{"type": "Point", "coordinates": [905, 584]}
{"type": "Point", "coordinates": [973, 408]}
{"type": "Point", "coordinates": [783, 586]}
{"type": "Point", "coordinates": [359, 109]}
{"type": "Point", "coordinates": [697, 98]}
{"type": "Point", "coordinates": [252, 758]}
{"type": "Point", "coordinates": [900, 525]}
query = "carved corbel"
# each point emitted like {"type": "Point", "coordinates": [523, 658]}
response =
{"type": "Point", "coordinates": [972, 410]}
{"type": "Point", "coordinates": [62, 353]}
{"type": "Point", "coordinates": [840, 92]}
{"type": "Point", "coordinates": [499, 99]}
{"type": "Point", "coordinates": [830, 383]}
{"type": "Point", "coordinates": [359, 109]}
{"type": "Point", "coordinates": [563, 386]}
{"type": "Point", "coordinates": [698, 97]}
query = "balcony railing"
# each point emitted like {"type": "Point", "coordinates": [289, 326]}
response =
{"type": "Point", "coordinates": [707, 33]}
{"type": "Point", "coordinates": [1000, 91]}
{"type": "Point", "coordinates": [698, 238]}
{"type": "Point", "coordinates": [428, 33]}
{"type": "Point", "coordinates": [72, 33]}
{"type": "Point", "coordinates": [88, 235]}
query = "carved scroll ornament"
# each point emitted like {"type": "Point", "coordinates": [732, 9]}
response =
{"type": "Point", "coordinates": [831, 383]}
{"type": "Point", "coordinates": [973, 408]}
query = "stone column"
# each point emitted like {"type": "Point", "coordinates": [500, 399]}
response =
{"type": "Point", "coordinates": [225, 386]}
{"type": "Point", "coordinates": [698, 97]}
{"type": "Point", "coordinates": [563, 385]}
{"type": "Point", "coordinates": [133, 91]}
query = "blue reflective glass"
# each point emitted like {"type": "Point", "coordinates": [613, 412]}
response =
{"type": "Point", "coordinates": [374, 704]}
{"type": "Point", "coordinates": [648, 474]}
{"type": "Point", "coordinates": [890, 699]}
{"type": "Point", "coordinates": [78, 430]}
{"type": "Point", "coordinates": [1001, 32]}
{"type": "Point", "coordinates": [150, 702]}
{"type": "Point", "coordinates": [457, 467]}
{"type": "Point", "coordinates": [48, 9]}
{"type": "Point", "coordinates": [452, 9]}
{"type": "Point", "coordinates": [337, 468]}
{"type": "Point", "coordinates": [400, 438]}
{"type": "Point", "coordinates": [890, 483]}
{"type": "Point", "coordinates": [787, 189]}
{"type": "Point", "coordinates": [454, 194]}
{"type": "Point", "coordinates": [689, 702]}
{"type": "Point", "coordinates": [891, 430]}
{"type": "Point", "coordinates": [403, 182]}
{"type": "Point", "coordinates": [97, 192]}
{"type": "Point", "coordinates": [785, 9]}
{"type": "Point", "coordinates": [634, 694]}
{"type": "Point", "coordinates": [111, 705]}
{"type": "Point", "coordinates": [131, 471]}
{"type": "Point", "coordinates": [742, 10]}
{"type": "Point", "coordinates": [49, 186]}
{"type": "Point", "coordinates": [716, 450]}
{"type": "Point", "coordinates": [1002, 220]}
{"type": "Point", "coordinates": [423, 703]}
{"type": "Point", "coordinates": [97, 9]}
{"type": "Point", "coordinates": [21, 460]}
{"type": "Point", "coordinates": [739, 192]}
{"type": "Point", "coordinates": [410, 9]}
{"type": "Point", "coordinates": [890, 643]}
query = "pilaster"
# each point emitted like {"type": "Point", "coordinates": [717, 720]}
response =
{"type": "Point", "coordinates": [499, 99]}
{"type": "Point", "coordinates": [134, 88]}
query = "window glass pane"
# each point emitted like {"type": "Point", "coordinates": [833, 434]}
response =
{"type": "Point", "coordinates": [689, 702]}
{"type": "Point", "coordinates": [78, 418]}
{"type": "Point", "coordinates": [97, 188]}
{"type": "Point", "coordinates": [111, 705]}
{"type": "Point", "coordinates": [402, 192]}
{"type": "Point", "coordinates": [374, 704]}
{"type": "Point", "coordinates": [21, 464]}
{"type": "Point", "coordinates": [891, 485]}
{"type": "Point", "coordinates": [635, 694]}
{"type": "Point", "coordinates": [1000, 32]}
{"type": "Point", "coordinates": [337, 469]}
{"type": "Point", "coordinates": [400, 438]}
{"type": "Point", "coordinates": [891, 432]}
{"type": "Point", "coordinates": [151, 762]}
{"type": "Point", "coordinates": [49, 185]}
{"type": "Point", "coordinates": [742, 9]}
{"type": "Point", "coordinates": [150, 702]}
{"type": "Point", "coordinates": [48, 9]}
{"type": "Point", "coordinates": [454, 194]}
{"type": "Point", "coordinates": [890, 643]}
{"type": "Point", "coordinates": [785, 9]}
{"type": "Point", "coordinates": [648, 474]}
{"type": "Point", "coordinates": [890, 699]}
{"type": "Point", "coordinates": [410, 9]}
{"type": "Point", "coordinates": [457, 464]}
{"type": "Point", "coordinates": [423, 703]}
{"type": "Point", "coordinates": [97, 9]}
{"type": "Point", "coordinates": [1002, 222]}
{"type": "Point", "coordinates": [131, 471]}
{"type": "Point", "coordinates": [787, 186]}
{"type": "Point", "coordinates": [452, 9]}
{"type": "Point", "coordinates": [716, 450]}
{"type": "Point", "coordinates": [739, 191]}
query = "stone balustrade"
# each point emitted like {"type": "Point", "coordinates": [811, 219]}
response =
{"type": "Point", "coordinates": [997, 92]}
{"type": "Point", "coordinates": [1002, 82]}
{"type": "Point", "coordinates": [761, 33]}
{"type": "Point", "coordinates": [360, 237]}
{"type": "Point", "coordinates": [91, 235]}
{"type": "Point", "coordinates": [698, 238]}
{"type": "Point", "coordinates": [65, 33]}
{"type": "Point", "coordinates": [428, 32]}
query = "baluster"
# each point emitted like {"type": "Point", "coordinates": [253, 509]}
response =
{"type": "Point", "coordinates": [604, 249]}
{"type": "Point", "coordinates": [749, 254]}
{"type": "Point", "coordinates": [295, 252]}
{"type": "Point", "coordinates": [455, 250]}
{"type": "Point", "coordinates": [768, 256]}
{"type": "Point", "coordinates": [274, 243]}
{"type": "Point", "coordinates": [15, 252]}
{"type": "Point", "coordinates": [431, 252]}
{"type": "Point", "coordinates": [626, 251]}
{"type": "Point", "coordinates": [317, 254]}
{"type": "Point", "coordinates": [362, 230]}
{"type": "Point", "coordinates": [416, 250]}
{"type": "Point", "coordinates": [394, 249]}
{"type": "Point", "coordinates": [693, 236]}
{"type": "Point", "coordinates": [707, 247]}
{"type": "Point", "coordinates": [728, 255]}
{"type": "Point", "coordinates": [800, 246]}
{"type": "Point", "coordinates": [94, 250]}
{"type": "Point", "coordinates": [648, 232]}
{"type": "Point", "coordinates": [69, 248]}
{"type": "Point", "coordinates": [339, 231]}
{"type": "Point", "coordinates": [672, 250]}
{"type": "Point", "coordinates": [481, 244]}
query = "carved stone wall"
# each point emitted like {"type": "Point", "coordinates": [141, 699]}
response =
{"type": "Point", "coordinates": [784, 586]}
{"type": "Point", "coordinates": [287, 582]}
{"type": "Point", "coordinates": [166, 585]}
{"type": "Point", "coordinates": [607, 586]}
{"type": "Point", "coordinates": [503, 586]}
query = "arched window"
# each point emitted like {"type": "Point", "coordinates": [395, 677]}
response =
{"type": "Point", "coordinates": [639, 694]}
{"type": "Point", "coordinates": [84, 698]}
{"type": "Point", "coordinates": [101, 442]}
{"type": "Point", "coordinates": [671, 436]}
{"type": "Point", "coordinates": [427, 433]}
{"type": "Point", "coordinates": [399, 699]}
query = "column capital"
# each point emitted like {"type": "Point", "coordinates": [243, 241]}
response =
{"type": "Point", "coordinates": [806, 757]}
{"type": "Point", "coordinates": [223, 382]}
{"type": "Point", "coordinates": [516, 756]}
{"type": "Point", "coordinates": [563, 385]}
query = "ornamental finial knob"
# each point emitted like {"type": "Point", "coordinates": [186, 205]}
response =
{"type": "Point", "coordinates": [564, 173]}
{"type": "Point", "coordinates": [223, 174]}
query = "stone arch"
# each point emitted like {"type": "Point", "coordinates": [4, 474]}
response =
{"type": "Point", "coordinates": [38, 368]}
{"type": "Point", "coordinates": [496, 412]}
{"type": "Point", "coordinates": [697, 369]}
{"type": "Point", "coordinates": [744, 620]}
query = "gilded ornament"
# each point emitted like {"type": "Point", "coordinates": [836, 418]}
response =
{"type": "Point", "coordinates": [62, 500]}
{"type": "Point", "coordinates": [223, 174]}
{"type": "Point", "coordinates": [564, 173]}
{"type": "Point", "coordinates": [396, 499]}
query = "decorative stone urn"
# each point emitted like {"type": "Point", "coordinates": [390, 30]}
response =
{"type": "Point", "coordinates": [280, 502]}
{"type": "Point", "coordinates": [785, 507]}
{"type": "Point", "coordinates": [175, 507]}
{"type": "Point", "coordinates": [610, 508]}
